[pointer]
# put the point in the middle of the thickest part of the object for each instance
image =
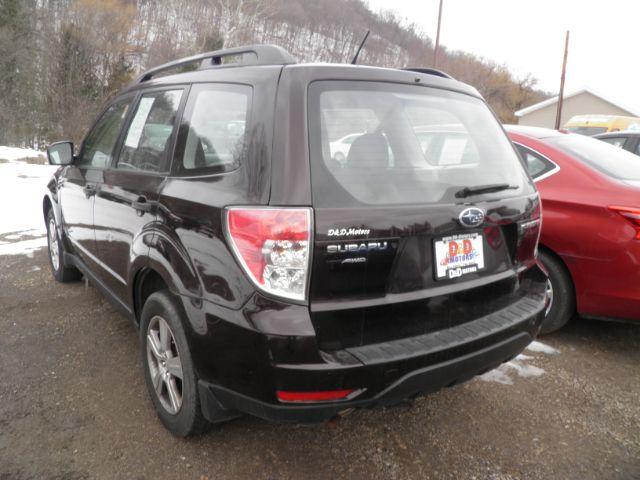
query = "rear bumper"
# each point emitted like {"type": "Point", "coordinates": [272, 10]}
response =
{"type": "Point", "coordinates": [390, 372]}
{"type": "Point", "coordinates": [422, 381]}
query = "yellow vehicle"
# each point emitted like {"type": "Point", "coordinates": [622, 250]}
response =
{"type": "Point", "coordinates": [594, 124]}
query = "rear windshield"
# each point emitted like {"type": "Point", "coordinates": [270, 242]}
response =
{"type": "Point", "coordinates": [386, 144]}
{"type": "Point", "coordinates": [604, 157]}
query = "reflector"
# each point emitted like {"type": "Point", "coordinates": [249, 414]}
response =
{"type": "Point", "coordinates": [321, 396]}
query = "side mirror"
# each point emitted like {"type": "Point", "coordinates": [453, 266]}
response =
{"type": "Point", "coordinates": [60, 153]}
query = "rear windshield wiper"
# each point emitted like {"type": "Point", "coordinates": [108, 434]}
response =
{"type": "Point", "coordinates": [496, 187]}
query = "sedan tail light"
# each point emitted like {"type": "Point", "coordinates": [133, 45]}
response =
{"type": "Point", "coordinates": [273, 247]}
{"type": "Point", "coordinates": [630, 214]}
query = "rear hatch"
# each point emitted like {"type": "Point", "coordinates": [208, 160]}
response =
{"type": "Point", "coordinates": [425, 220]}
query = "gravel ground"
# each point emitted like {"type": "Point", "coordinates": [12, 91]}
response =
{"type": "Point", "coordinates": [73, 405]}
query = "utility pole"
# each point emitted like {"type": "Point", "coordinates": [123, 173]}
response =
{"type": "Point", "coordinates": [435, 51]}
{"type": "Point", "coordinates": [564, 69]}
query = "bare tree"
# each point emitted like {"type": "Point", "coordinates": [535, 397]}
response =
{"type": "Point", "coordinates": [60, 59]}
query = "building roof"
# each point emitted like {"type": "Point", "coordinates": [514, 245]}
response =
{"type": "Point", "coordinates": [554, 100]}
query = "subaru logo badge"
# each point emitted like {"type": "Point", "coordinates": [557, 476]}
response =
{"type": "Point", "coordinates": [471, 217]}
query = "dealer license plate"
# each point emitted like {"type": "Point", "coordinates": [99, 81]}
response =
{"type": "Point", "coordinates": [458, 255]}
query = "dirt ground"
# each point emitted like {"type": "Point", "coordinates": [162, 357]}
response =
{"type": "Point", "coordinates": [73, 405]}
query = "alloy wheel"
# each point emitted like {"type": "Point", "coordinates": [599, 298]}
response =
{"type": "Point", "coordinates": [549, 290]}
{"type": "Point", "coordinates": [165, 367]}
{"type": "Point", "coordinates": [54, 252]}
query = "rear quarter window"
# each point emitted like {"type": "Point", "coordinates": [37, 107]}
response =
{"type": "Point", "coordinates": [212, 136]}
{"type": "Point", "coordinates": [537, 165]}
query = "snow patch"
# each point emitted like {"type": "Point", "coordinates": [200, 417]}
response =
{"type": "Point", "coordinates": [24, 247]}
{"type": "Point", "coordinates": [542, 348]}
{"type": "Point", "coordinates": [523, 369]}
{"type": "Point", "coordinates": [520, 366]}
{"type": "Point", "coordinates": [497, 375]}
{"type": "Point", "coordinates": [523, 357]}
{"type": "Point", "coordinates": [13, 153]}
{"type": "Point", "coordinates": [34, 232]}
{"type": "Point", "coordinates": [22, 188]}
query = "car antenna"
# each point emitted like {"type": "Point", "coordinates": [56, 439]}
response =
{"type": "Point", "coordinates": [355, 58]}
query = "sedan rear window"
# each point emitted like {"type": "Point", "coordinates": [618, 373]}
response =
{"type": "Point", "coordinates": [382, 144]}
{"type": "Point", "coordinates": [612, 161]}
{"type": "Point", "coordinates": [587, 130]}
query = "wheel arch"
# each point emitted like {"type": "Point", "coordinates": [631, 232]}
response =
{"type": "Point", "coordinates": [549, 251]}
{"type": "Point", "coordinates": [46, 206]}
{"type": "Point", "coordinates": [146, 282]}
{"type": "Point", "coordinates": [49, 204]}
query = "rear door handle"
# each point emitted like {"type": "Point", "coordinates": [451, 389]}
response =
{"type": "Point", "coordinates": [141, 205]}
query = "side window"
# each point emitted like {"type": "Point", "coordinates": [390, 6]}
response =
{"type": "Point", "coordinates": [212, 137]}
{"type": "Point", "coordinates": [98, 146]}
{"type": "Point", "coordinates": [638, 148]}
{"type": "Point", "coordinates": [615, 141]}
{"type": "Point", "coordinates": [148, 139]}
{"type": "Point", "coordinates": [536, 164]}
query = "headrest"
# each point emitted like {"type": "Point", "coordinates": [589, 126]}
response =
{"type": "Point", "coordinates": [369, 151]}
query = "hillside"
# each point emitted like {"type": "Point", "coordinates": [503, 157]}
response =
{"type": "Point", "coordinates": [60, 59]}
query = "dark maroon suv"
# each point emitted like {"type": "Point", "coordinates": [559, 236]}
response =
{"type": "Point", "coordinates": [268, 275]}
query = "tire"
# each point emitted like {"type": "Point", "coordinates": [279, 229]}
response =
{"type": "Point", "coordinates": [60, 272]}
{"type": "Point", "coordinates": [183, 418]}
{"type": "Point", "coordinates": [563, 298]}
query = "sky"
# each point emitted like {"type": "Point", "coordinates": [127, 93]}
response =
{"type": "Point", "coordinates": [528, 36]}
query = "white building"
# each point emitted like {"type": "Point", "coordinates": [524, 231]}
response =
{"type": "Point", "coordinates": [581, 102]}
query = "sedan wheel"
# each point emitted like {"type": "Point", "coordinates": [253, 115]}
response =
{"type": "Point", "coordinates": [549, 290]}
{"type": "Point", "coordinates": [559, 289]}
{"type": "Point", "coordinates": [165, 367]}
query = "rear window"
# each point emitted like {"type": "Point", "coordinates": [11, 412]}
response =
{"type": "Point", "coordinates": [615, 141]}
{"type": "Point", "coordinates": [588, 131]}
{"type": "Point", "coordinates": [386, 144]}
{"type": "Point", "coordinates": [612, 161]}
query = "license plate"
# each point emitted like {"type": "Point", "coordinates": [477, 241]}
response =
{"type": "Point", "coordinates": [458, 255]}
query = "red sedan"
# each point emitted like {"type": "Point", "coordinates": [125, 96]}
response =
{"type": "Point", "coordinates": [590, 241]}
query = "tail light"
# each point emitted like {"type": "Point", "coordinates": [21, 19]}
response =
{"type": "Point", "coordinates": [630, 214]}
{"type": "Point", "coordinates": [273, 247]}
{"type": "Point", "coordinates": [529, 235]}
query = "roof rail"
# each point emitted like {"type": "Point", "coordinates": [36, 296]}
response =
{"type": "Point", "coordinates": [429, 71]}
{"type": "Point", "coordinates": [251, 55]}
